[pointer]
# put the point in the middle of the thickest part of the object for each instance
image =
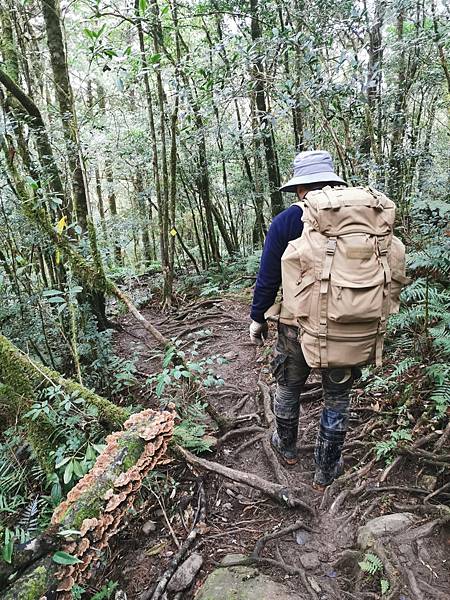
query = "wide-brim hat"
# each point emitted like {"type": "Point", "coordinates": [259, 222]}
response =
{"type": "Point", "coordinates": [312, 166]}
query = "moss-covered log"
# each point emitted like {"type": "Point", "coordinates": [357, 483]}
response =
{"type": "Point", "coordinates": [96, 506]}
{"type": "Point", "coordinates": [21, 380]}
{"type": "Point", "coordinates": [25, 378]}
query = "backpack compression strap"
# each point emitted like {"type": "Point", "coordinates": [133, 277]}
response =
{"type": "Point", "coordinates": [323, 299]}
{"type": "Point", "coordinates": [383, 251]}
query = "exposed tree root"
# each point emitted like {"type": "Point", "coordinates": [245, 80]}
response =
{"type": "Point", "coordinates": [433, 592]}
{"type": "Point", "coordinates": [273, 461]}
{"type": "Point", "coordinates": [240, 405]}
{"type": "Point", "coordinates": [249, 442]}
{"type": "Point", "coordinates": [398, 488]}
{"type": "Point", "coordinates": [267, 401]}
{"type": "Point", "coordinates": [235, 432]}
{"type": "Point", "coordinates": [279, 493]}
{"type": "Point", "coordinates": [278, 534]}
{"type": "Point", "coordinates": [291, 569]}
{"type": "Point", "coordinates": [417, 444]}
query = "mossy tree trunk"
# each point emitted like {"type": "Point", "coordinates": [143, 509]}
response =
{"type": "Point", "coordinates": [21, 381]}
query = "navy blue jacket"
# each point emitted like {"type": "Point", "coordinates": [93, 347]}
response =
{"type": "Point", "coordinates": [285, 227]}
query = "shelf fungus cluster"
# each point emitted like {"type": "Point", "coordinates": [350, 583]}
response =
{"type": "Point", "coordinates": [97, 505]}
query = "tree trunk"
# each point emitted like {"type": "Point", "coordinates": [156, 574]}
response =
{"type": "Point", "coordinates": [66, 104]}
{"type": "Point", "coordinates": [264, 118]}
{"type": "Point", "coordinates": [111, 194]}
{"type": "Point", "coordinates": [369, 144]}
{"type": "Point", "coordinates": [161, 194]}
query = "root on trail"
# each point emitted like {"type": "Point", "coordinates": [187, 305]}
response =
{"type": "Point", "coordinates": [279, 493]}
{"type": "Point", "coordinates": [241, 431]}
{"type": "Point", "coordinates": [250, 442]}
{"type": "Point", "coordinates": [273, 461]}
{"type": "Point", "coordinates": [267, 402]}
{"type": "Point", "coordinates": [300, 524]}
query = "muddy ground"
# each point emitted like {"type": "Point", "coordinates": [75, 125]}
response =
{"type": "Point", "coordinates": [325, 566]}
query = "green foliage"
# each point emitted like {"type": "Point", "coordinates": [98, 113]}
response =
{"type": "Point", "coordinates": [27, 495]}
{"type": "Point", "coordinates": [109, 374]}
{"type": "Point", "coordinates": [191, 431]}
{"type": "Point", "coordinates": [103, 594]}
{"type": "Point", "coordinates": [232, 277]}
{"type": "Point", "coordinates": [63, 558]}
{"type": "Point", "coordinates": [371, 564]}
{"type": "Point", "coordinates": [386, 448]}
{"type": "Point", "coordinates": [106, 591]}
{"type": "Point", "coordinates": [199, 371]}
{"type": "Point", "coordinates": [78, 431]}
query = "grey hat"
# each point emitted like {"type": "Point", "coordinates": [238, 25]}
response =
{"type": "Point", "coordinates": [310, 167]}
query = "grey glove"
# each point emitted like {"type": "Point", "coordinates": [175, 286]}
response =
{"type": "Point", "coordinates": [258, 333]}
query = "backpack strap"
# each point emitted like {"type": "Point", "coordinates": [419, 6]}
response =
{"type": "Point", "coordinates": [385, 309]}
{"type": "Point", "coordinates": [323, 299]}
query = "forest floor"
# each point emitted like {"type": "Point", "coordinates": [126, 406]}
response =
{"type": "Point", "coordinates": [320, 558]}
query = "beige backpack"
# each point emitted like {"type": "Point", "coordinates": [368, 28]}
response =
{"type": "Point", "coordinates": [343, 276]}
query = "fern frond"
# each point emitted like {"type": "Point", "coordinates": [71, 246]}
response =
{"type": "Point", "coordinates": [371, 564]}
{"type": "Point", "coordinates": [403, 366]}
{"type": "Point", "coordinates": [28, 520]}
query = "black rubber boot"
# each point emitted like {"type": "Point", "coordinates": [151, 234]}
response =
{"type": "Point", "coordinates": [284, 440]}
{"type": "Point", "coordinates": [323, 479]}
{"type": "Point", "coordinates": [328, 450]}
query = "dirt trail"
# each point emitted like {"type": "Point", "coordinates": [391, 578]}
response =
{"type": "Point", "coordinates": [325, 560]}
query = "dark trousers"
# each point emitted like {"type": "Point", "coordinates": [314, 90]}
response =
{"type": "Point", "coordinates": [291, 372]}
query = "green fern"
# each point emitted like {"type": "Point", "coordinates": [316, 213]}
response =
{"type": "Point", "coordinates": [190, 434]}
{"type": "Point", "coordinates": [403, 366]}
{"type": "Point", "coordinates": [441, 399]}
{"type": "Point", "coordinates": [106, 591]}
{"type": "Point", "coordinates": [384, 585]}
{"type": "Point", "coordinates": [371, 564]}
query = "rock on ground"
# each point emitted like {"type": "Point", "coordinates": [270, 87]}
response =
{"type": "Point", "coordinates": [310, 560]}
{"type": "Point", "coordinates": [186, 572]}
{"type": "Point", "coordinates": [242, 583]}
{"type": "Point", "coordinates": [385, 525]}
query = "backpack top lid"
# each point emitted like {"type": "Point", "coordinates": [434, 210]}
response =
{"type": "Point", "coordinates": [335, 211]}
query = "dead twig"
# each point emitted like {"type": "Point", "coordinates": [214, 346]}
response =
{"type": "Point", "coordinates": [442, 441]}
{"type": "Point", "coordinates": [437, 492]}
{"type": "Point", "coordinates": [185, 547]}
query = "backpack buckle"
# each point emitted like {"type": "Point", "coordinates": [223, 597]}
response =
{"type": "Point", "coordinates": [331, 246]}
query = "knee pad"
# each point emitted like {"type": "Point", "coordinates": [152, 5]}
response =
{"type": "Point", "coordinates": [286, 403]}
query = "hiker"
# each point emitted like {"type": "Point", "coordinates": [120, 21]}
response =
{"type": "Point", "coordinates": [314, 175]}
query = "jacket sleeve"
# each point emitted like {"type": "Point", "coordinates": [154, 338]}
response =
{"type": "Point", "coordinates": [285, 227]}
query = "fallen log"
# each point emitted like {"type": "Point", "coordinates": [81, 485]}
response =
{"type": "Point", "coordinates": [95, 508]}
